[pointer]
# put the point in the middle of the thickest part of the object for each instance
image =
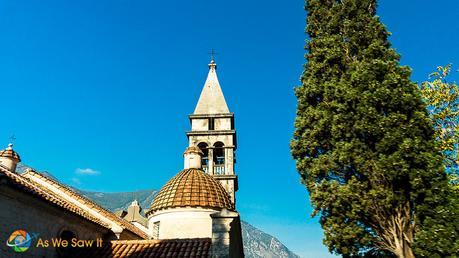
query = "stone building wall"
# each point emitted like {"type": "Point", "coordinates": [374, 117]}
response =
{"type": "Point", "coordinates": [182, 223]}
{"type": "Point", "coordinates": [226, 235]}
{"type": "Point", "coordinates": [20, 210]}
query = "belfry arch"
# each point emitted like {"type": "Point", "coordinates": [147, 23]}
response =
{"type": "Point", "coordinates": [219, 158]}
{"type": "Point", "coordinates": [204, 147]}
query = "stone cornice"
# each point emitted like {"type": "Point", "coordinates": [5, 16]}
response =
{"type": "Point", "coordinates": [212, 132]}
{"type": "Point", "coordinates": [222, 115]}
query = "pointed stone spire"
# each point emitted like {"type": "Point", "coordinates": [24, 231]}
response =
{"type": "Point", "coordinates": [211, 100]}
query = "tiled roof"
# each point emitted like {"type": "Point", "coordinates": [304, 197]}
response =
{"type": "Point", "coordinates": [38, 190]}
{"type": "Point", "coordinates": [10, 153]}
{"type": "Point", "coordinates": [108, 214]}
{"type": "Point", "coordinates": [197, 247]}
{"type": "Point", "coordinates": [192, 188]}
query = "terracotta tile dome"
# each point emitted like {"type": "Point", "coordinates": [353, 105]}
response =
{"type": "Point", "coordinates": [10, 153]}
{"type": "Point", "coordinates": [192, 188]}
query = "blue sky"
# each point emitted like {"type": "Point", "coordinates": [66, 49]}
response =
{"type": "Point", "coordinates": [98, 92]}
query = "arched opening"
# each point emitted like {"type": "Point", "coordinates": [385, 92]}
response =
{"type": "Point", "coordinates": [67, 251]}
{"type": "Point", "coordinates": [219, 158]}
{"type": "Point", "coordinates": [205, 157]}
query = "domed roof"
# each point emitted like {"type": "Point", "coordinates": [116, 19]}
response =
{"type": "Point", "coordinates": [192, 188]}
{"type": "Point", "coordinates": [10, 153]}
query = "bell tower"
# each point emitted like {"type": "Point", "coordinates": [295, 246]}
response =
{"type": "Point", "coordinates": [212, 131]}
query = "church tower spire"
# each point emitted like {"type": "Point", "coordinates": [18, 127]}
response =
{"type": "Point", "coordinates": [211, 100]}
{"type": "Point", "coordinates": [212, 131]}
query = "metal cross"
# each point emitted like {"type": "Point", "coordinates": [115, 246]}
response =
{"type": "Point", "coordinates": [212, 54]}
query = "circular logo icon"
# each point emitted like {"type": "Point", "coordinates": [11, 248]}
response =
{"type": "Point", "coordinates": [19, 241]}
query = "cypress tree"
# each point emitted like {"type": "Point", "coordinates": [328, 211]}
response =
{"type": "Point", "coordinates": [363, 142]}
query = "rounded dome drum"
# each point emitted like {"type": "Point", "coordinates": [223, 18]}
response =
{"type": "Point", "coordinates": [192, 188]}
{"type": "Point", "coordinates": [10, 153]}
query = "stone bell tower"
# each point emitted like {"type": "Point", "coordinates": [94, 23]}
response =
{"type": "Point", "coordinates": [212, 131]}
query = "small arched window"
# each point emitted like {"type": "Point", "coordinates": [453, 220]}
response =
{"type": "Point", "coordinates": [219, 153]}
{"type": "Point", "coordinates": [205, 149]}
{"type": "Point", "coordinates": [67, 251]}
{"type": "Point", "coordinates": [219, 158]}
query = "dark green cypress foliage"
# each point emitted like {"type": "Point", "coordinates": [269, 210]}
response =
{"type": "Point", "coordinates": [363, 142]}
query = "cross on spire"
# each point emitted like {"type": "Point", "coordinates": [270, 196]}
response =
{"type": "Point", "coordinates": [212, 55]}
{"type": "Point", "coordinates": [212, 64]}
{"type": "Point", "coordinates": [211, 100]}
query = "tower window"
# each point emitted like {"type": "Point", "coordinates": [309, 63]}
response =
{"type": "Point", "coordinates": [211, 123]}
{"type": "Point", "coordinates": [205, 158]}
{"type": "Point", "coordinates": [219, 158]}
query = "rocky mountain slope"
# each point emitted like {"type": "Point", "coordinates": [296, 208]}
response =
{"type": "Point", "coordinates": [261, 245]}
{"type": "Point", "coordinates": [257, 244]}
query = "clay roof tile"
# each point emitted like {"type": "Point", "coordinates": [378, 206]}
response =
{"type": "Point", "coordinates": [192, 188]}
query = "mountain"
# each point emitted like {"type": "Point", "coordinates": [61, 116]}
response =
{"type": "Point", "coordinates": [120, 201]}
{"type": "Point", "coordinates": [257, 244]}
